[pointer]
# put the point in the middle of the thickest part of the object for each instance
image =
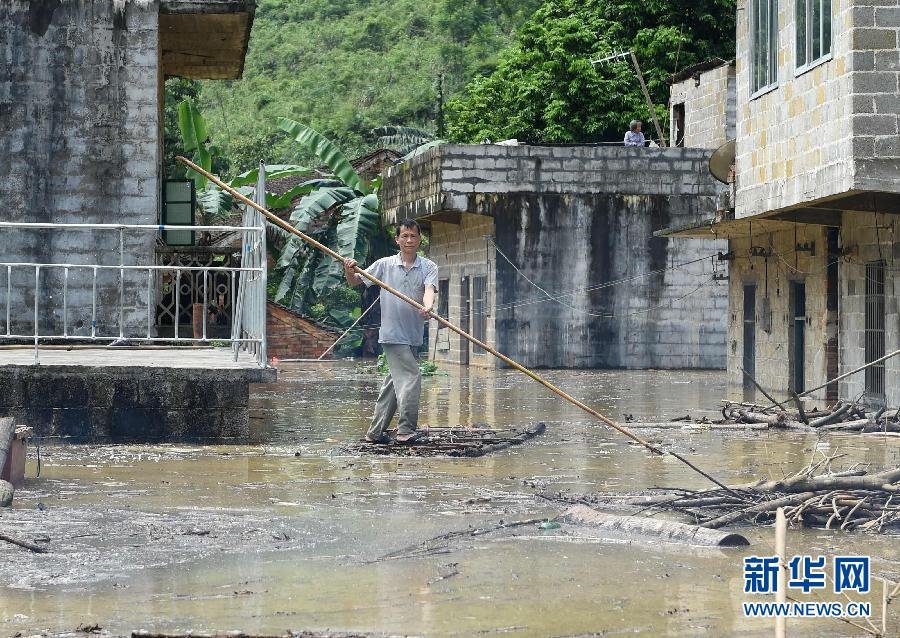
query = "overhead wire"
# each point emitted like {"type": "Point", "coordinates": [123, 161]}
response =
{"type": "Point", "coordinates": [559, 296]}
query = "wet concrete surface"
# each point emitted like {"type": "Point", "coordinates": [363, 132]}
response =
{"type": "Point", "coordinates": [283, 534]}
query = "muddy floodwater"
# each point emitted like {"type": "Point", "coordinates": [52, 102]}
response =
{"type": "Point", "coordinates": [286, 534]}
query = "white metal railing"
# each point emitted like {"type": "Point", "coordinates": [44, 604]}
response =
{"type": "Point", "coordinates": [248, 326]}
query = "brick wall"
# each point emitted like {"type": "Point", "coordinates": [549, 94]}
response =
{"type": "Point", "coordinates": [289, 336]}
{"type": "Point", "coordinates": [867, 243]}
{"type": "Point", "coordinates": [79, 115]}
{"type": "Point", "coordinates": [709, 108]}
{"type": "Point", "coordinates": [875, 83]}
{"type": "Point", "coordinates": [827, 130]}
{"type": "Point", "coordinates": [773, 277]}
{"type": "Point", "coordinates": [462, 250]}
{"type": "Point", "coordinates": [570, 218]}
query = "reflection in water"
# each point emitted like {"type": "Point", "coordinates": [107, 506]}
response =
{"type": "Point", "coordinates": [356, 509]}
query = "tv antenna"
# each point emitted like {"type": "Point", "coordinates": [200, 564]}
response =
{"type": "Point", "coordinates": [610, 59]}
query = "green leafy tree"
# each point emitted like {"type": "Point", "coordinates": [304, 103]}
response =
{"type": "Point", "coordinates": [348, 66]}
{"type": "Point", "coordinates": [214, 203]}
{"type": "Point", "coordinates": [341, 212]}
{"type": "Point", "coordinates": [545, 89]}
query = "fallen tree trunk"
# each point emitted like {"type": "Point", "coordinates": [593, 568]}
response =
{"type": "Point", "coordinates": [880, 481]}
{"type": "Point", "coordinates": [855, 426]}
{"type": "Point", "coordinates": [670, 531]}
{"type": "Point", "coordinates": [834, 416]}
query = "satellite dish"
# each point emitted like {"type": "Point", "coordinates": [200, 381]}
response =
{"type": "Point", "coordinates": [721, 162]}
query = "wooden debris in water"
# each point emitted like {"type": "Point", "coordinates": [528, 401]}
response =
{"type": "Point", "coordinates": [843, 416]}
{"type": "Point", "coordinates": [452, 441]}
{"type": "Point", "coordinates": [241, 634]}
{"type": "Point", "coordinates": [852, 499]}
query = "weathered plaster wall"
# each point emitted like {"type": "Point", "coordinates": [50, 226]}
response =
{"type": "Point", "coordinates": [773, 277]}
{"type": "Point", "coordinates": [78, 111]}
{"type": "Point", "coordinates": [796, 143]}
{"type": "Point", "coordinates": [652, 318]}
{"type": "Point", "coordinates": [867, 243]}
{"type": "Point", "coordinates": [709, 108]}
{"type": "Point", "coordinates": [571, 218]}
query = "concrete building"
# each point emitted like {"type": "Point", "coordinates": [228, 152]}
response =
{"type": "Point", "coordinates": [702, 105]}
{"type": "Point", "coordinates": [81, 95]}
{"type": "Point", "coordinates": [81, 98]}
{"type": "Point", "coordinates": [813, 240]}
{"type": "Point", "coordinates": [548, 253]}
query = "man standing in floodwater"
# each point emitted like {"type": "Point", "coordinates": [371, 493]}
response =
{"type": "Point", "coordinates": [400, 336]}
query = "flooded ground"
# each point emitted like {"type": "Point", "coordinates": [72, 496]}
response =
{"type": "Point", "coordinates": [287, 534]}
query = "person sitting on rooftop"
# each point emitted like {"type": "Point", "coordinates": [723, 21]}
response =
{"type": "Point", "coordinates": [634, 137]}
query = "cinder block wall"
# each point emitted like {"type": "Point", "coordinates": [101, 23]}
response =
{"type": "Point", "coordinates": [709, 108]}
{"type": "Point", "coordinates": [773, 279]}
{"type": "Point", "coordinates": [80, 122]}
{"type": "Point", "coordinates": [796, 143]}
{"type": "Point", "coordinates": [571, 218]}
{"type": "Point", "coordinates": [461, 250]}
{"type": "Point", "coordinates": [875, 81]}
{"type": "Point", "coordinates": [865, 244]}
{"type": "Point", "coordinates": [654, 316]}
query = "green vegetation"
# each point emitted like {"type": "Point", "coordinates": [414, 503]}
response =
{"type": "Point", "coordinates": [348, 66]}
{"type": "Point", "coordinates": [341, 212]}
{"type": "Point", "coordinates": [545, 89]}
{"type": "Point", "coordinates": [427, 367]}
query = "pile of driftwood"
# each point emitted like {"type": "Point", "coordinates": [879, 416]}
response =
{"type": "Point", "coordinates": [847, 500]}
{"type": "Point", "coordinates": [451, 441]}
{"type": "Point", "coordinates": [844, 416]}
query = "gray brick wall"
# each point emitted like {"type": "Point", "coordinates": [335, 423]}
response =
{"type": "Point", "coordinates": [869, 239]}
{"type": "Point", "coordinates": [827, 130]}
{"type": "Point", "coordinates": [80, 121]}
{"type": "Point", "coordinates": [709, 108]}
{"type": "Point", "coordinates": [569, 218]}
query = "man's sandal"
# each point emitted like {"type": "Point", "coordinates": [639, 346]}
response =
{"type": "Point", "coordinates": [416, 438]}
{"type": "Point", "coordinates": [384, 439]}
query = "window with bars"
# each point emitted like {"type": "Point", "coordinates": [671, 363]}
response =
{"type": "Point", "coordinates": [763, 45]}
{"type": "Point", "coordinates": [875, 328]}
{"type": "Point", "coordinates": [813, 31]}
{"type": "Point", "coordinates": [479, 305]}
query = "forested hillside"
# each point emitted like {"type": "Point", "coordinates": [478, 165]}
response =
{"type": "Point", "coordinates": [347, 66]}
{"type": "Point", "coordinates": [488, 68]}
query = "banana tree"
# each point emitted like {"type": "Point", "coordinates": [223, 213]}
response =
{"type": "Point", "coordinates": [214, 203]}
{"type": "Point", "coordinates": [341, 212]}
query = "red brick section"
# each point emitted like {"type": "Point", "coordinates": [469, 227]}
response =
{"type": "Point", "coordinates": [290, 336]}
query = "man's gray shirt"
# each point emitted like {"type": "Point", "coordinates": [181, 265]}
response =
{"type": "Point", "coordinates": [401, 322]}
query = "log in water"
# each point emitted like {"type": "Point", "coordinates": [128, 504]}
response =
{"type": "Point", "coordinates": [670, 531]}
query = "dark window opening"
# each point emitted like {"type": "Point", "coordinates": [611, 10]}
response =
{"type": "Point", "coordinates": [798, 336]}
{"type": "Point", "coordinates": [749, 358]}
{"type": "Point", "coordinates": [443, 292]}
{"type": "Point", "coordinates": [678, 119]}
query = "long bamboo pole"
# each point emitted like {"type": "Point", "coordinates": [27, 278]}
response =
{"type": "Point", "coordinates": [277, 221]}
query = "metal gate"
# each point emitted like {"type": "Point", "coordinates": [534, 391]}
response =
{"type": "Point", "coordinates": [875, 329]}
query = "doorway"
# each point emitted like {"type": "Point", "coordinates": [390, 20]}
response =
{"type": "Point", "coordinates": [749, 359]}
{"type": "Point", "coordinates": [798, 337]}
{"type": "Point", "coordinates": [465, 313]}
